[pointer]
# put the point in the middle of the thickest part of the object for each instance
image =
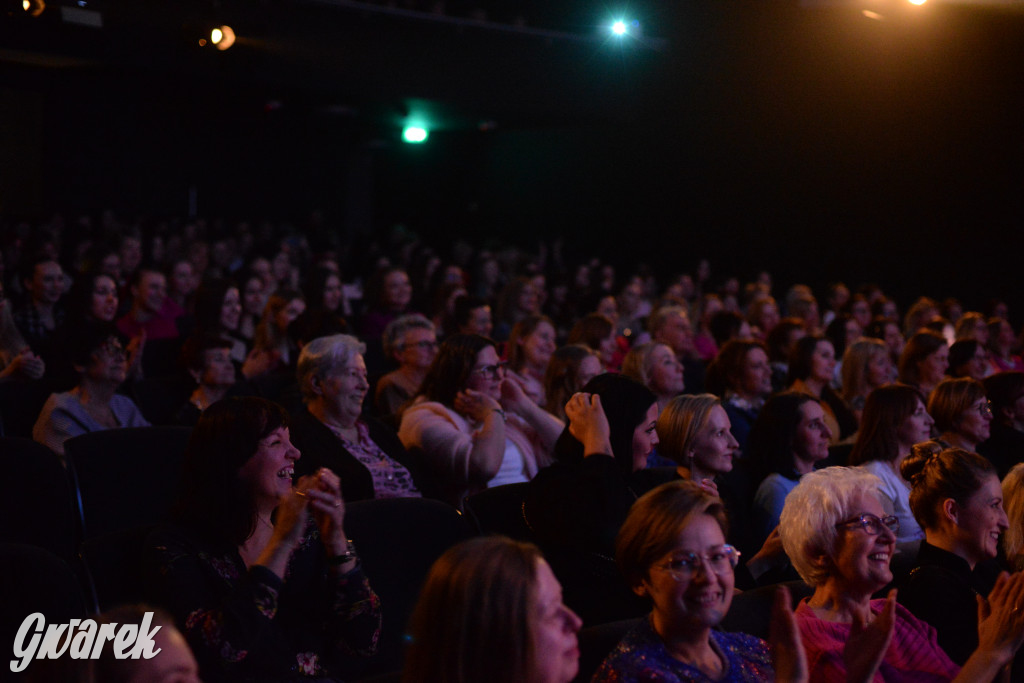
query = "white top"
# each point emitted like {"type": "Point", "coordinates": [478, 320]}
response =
{"type": "Point", "coordinates": [513, 467]}
{"type": "Point", "coordinates": [896, 499]}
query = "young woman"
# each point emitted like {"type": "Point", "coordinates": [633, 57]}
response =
{"type": "Point", "coordinates": [961, 412]}
{"type": "Point", "coordinates": [529, 350]}
{"type": "Point", "coordinates": [924, 361]}
{"type": "Point", "coordinates": [866, 366]}
{"type": "Point", "coordinates": [655, 366]}
{"type": "Point", "coordinates": [957, 500]}
{"type": "Point", "coordinates": [894, 420]}
{"type": "Point", "coordinates": [491, 610]}
{"type": "Point", "coordinates": [812, 366]}
{"type": "Point", "coordinates": [571, 367]}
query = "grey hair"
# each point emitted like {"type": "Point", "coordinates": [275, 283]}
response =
{"type": "Point", "coordinates": [807, 525]}
{"type": "Point", "coordinates": [394, 333]}
{"type": "Point", "coordinates": [322, 356]}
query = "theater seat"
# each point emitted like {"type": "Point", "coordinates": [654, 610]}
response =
{"type": "Point", "coordinates": [398, 540]}
{"type": "Point", "coordinates": [125, 477]}
{"type": "Point", "coordinates": [499, 510]}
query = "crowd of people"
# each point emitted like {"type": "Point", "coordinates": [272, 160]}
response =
{"type": "Point", "coordinates": [677, 442]}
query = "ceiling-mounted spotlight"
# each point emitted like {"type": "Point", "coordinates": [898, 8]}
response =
{"type": "Point", "coordinates": [222, 37]}
{"type": "Point", "coordinates": [32, 8]}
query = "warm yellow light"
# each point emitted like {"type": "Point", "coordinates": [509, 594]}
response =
{"type": "Point", "coordinates": [872, 15]}
{"type": "Point", "coordinates": [223, 37]}
{"type": "Point", "coordinates": [33, 7]}
{"type": "Point", "coordinates": [917, 2]}
{"type": "Point", "coordinates": [25, 5]}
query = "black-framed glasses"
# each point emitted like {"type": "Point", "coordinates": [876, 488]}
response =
{"type": "Point", "coordinates": [871, 524]}
{"type": "Point", "coordinates": [719, 561]}
{"type": "Point", "coordinates": [492, 371]}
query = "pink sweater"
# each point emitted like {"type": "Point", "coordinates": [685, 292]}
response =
{"type": "Point", "coordinates": [914, 655]}
{"type": "Point", "coordinates": [446, 439]}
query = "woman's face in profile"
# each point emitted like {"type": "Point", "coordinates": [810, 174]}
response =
{"type": "Point", "coordinates": [645, 438]}
{"type": "Point", "coordinates": [714, 445]}
{"type": "Point", "coordinates": [934, 366]}
{"type": "Point", "coordinates": [879, 371]}
{"type": "Point", "coordinates": [553, 627]}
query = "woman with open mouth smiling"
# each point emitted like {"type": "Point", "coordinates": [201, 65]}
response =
{"type": "Point", "coordinates": [838, 535]}
{"type": "Point", "coordinates": [957, 499]}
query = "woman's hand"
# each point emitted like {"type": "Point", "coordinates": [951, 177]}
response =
{"type": "Point", "coordinates": [133, 352]}
{"type": "Point", "coordinates": [588, 423]}
{"type": "Point", "coordinates": [709, 486]}
{"type": "Point", "coordinates": [869, 641]}
{"type": "Point", "coordinates": [513, 395]}
{"type": "Point", "coordinates": [325, 502]}
{"type": "Point", "coordinates": [475, 405]}
{"type": "Point", "coordinates": [25, 363]}
{"type": "Point", "coordinates": [1001, 617]}
{"type": "Point", "coordinates": [788, 656]}
{"type": "Point", "coordinates": [259, 363]}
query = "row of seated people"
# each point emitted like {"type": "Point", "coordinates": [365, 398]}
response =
{"type": "Point", "coordinates": [233, 580]}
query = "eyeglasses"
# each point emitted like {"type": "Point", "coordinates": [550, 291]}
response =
{"type": "Point", "coordinates": [985, 409]}
{"type": "Point", "coordinates": [719, 561]}
{"type": "Point", "coordinates": [492, 371]}
{"type": "Point", "coordinates": [872, 524]}
{"type": "Point", "coordinates": [425, 345]}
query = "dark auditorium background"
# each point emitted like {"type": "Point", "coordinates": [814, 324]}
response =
{"type": "Point", "coordinates": [867, 141]}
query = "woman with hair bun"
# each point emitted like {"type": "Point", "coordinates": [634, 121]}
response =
{"type": "Point", "coordinates": [957, 500]}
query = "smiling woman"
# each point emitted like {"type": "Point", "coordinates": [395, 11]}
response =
{"type": "Point", "coordinates": [364, 453]}
{"type": "Point", "coordinates": [839, 537]}
{"type": "Point", "coordinates": [259, 575]}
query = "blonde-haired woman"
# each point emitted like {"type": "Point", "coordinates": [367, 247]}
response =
{"type": "Point", "coordinates": [866, 366]}
{"type": "Point", "coordinates": [695, 432]}
{"type": "Point", "coordinates": [656, 367]}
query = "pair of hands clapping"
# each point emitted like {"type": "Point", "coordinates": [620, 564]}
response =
{"type": "Point", "coordinates": [318, 495]}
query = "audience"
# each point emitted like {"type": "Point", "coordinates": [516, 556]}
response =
{"type": "Point", "coordinates": [468, 425]}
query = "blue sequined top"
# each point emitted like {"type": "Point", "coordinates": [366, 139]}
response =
{"type": "Point", "coordinates": [642, 657]}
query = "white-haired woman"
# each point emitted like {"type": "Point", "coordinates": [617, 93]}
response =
{"type": "Point", "coordinates": [411, 340]}
{"type": "Point", "coordinates": [840, 540]}
{"type": "Point", "coordinates": [331, 433]}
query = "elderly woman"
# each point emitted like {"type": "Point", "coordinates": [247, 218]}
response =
{"type": "Point", "coordinates": [570, 368]}
{"type": "Point", "coordinates": [259, 575]}
{"type": "Point", "coordinates": [491, 610]}
{"type": "Point", "coordinates": [93, 404]}
{"type": "Point", "coordinates": [741, 375]}
{"type": "Point", "coordinates": [476, 430]}
{"type": "Point", "coordinates": [866, 366]}
{"type": "Point", "coordinates": [1013, 501]}
{"type": "Point", "coordinates": [208, 361]}
{"type": "Point", "coordinates": [529, 350]}
{"type": "Point", "coordinates": [657, 368]}
{"type": "Point", "coordinates": [838, 535]}
{"type": "Point", "coordinates": [333, 434]}
{"type": "Point", "coordinates": [958, 500]}
{"type": "Point", "coordinates": [961, 412]}
{"type": "Point", "coordinates": [672, 551]}
{"type": "Point", "coordinates": [412, 341]}
{"type": "Point", "coordinates": [894, 420]}
{"type": "Point", "coordinates": [924, 361]}
{"type": "Point", "coordinates": [788, 440]}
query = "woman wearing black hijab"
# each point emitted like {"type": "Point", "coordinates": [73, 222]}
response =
{"type": "Point", "coordinates": [576, 506]}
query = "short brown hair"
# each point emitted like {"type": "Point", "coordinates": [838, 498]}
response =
{"type": "Point", "coordinates": [951, 398]}
{"type": "Point", "coordinates": [652, 528]}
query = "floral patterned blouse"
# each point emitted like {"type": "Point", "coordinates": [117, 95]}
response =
{"type": "Point", "coordinates": [248, 624]}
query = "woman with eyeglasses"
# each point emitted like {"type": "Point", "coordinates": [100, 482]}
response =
{"type": "Point", "coordinates": [836, 532]}
{"type": "Point", "coordinates": [411, 340]}
{"type": "Point", "coordinates": [672, 551]}
{"type": "Point", "coordinates": [93, 404]}
{"type": "Point", "coordinates": [475, 429]}
{"type": "Point", "coordinates": [958, 501]}
{"type": "Point", "coordinates": [961, 412]}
